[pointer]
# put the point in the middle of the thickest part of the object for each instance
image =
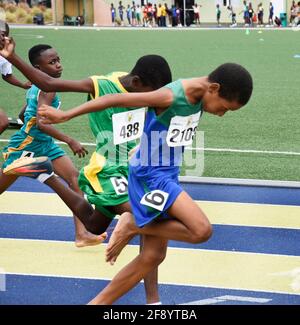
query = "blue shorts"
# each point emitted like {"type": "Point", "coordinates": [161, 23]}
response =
{"type": "Point", "coordinates": [23, 145]}
{"type": "Point", "coordinates": [151, 197]}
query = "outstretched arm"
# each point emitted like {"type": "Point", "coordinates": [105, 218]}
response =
{"type": "Point", "coordinates": [39, 78]}
{"type": "Point", "coordinates": [161, 98]}
{"type": "Point", "coordinates": [11, 79]}
{"type": "Point", "coordinates": [3, 121]}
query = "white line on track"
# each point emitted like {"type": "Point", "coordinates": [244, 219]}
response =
{"type": "Point", "coordinates": [267, 152]}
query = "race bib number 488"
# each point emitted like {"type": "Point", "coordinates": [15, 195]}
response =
{"type": "Point", "coordinates": [128, 126]}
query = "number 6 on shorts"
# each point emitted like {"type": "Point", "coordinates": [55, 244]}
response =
{"type": "Point", "coordinates": [155, 199]}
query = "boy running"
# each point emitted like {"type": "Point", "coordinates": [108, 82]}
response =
{"type": "Point", "coordinates": [36, 139]}
{"type": "Point", "coordinates": [161, 209]}
{"type": "Point", "coordinates": [104, 180]}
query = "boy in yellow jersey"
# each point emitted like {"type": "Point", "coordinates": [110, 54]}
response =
{"type": "Point", "coordinates": [104, 180]}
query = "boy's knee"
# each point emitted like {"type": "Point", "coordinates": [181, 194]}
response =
{"type": "Point", "coordinates": [202, 233]}
{"type": "Point", "coordinates": [72, 180]}
{"type": "Point", "coordinates": [154, 258]}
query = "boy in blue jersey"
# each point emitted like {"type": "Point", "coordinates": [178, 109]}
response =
{"type": "Point", "coordinates": [161, 209]}
{"type": "Point", "coordinates": [36, 139]}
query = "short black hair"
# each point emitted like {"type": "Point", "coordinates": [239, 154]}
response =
{"type": "Point", "coordinates": [36, 51]}
{"type": "Point", "coordinates": [153, 70]}
{"type": "Point", "coordinates": [235, 82]}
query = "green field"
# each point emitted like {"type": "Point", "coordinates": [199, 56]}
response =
{"type": "Point", "coordinates": [270, 121]}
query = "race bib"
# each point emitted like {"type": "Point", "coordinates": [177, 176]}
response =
{"type": "Point", "coordinates": [155, 199]}
{"type": "Point", "coordinates": [120, 185]}
{"type": "Point", "coordinates": [182, 130]}
{"type": "Point", "coordinates": [27, 154]}
{"type": "Point", "coordinates": [128, 126]}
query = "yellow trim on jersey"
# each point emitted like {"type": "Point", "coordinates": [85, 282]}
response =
{"type": "Point", "coordinates": [26, 142]}
{"type": "Point", "coordinates": [114, 78]}
{"type": "Point", "coordinates": [96, 88]}
{"type": "Point", "coordinates": [30, 124]}
{"type": "Point", "coordinates": [94, 167]}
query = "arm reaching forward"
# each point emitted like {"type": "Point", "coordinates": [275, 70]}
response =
{"type": "Point", "coordinates": [161, 98]}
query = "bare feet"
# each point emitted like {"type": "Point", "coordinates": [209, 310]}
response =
{"type": "Point", "coordinates": [123, 232]}
{"type": "Point", "coordinates": [89, 239]}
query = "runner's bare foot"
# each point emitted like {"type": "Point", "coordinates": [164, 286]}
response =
{"type": "Point", "coordinates": [90, 239]}
{"type": "Point", "coordinates": [123, 232]}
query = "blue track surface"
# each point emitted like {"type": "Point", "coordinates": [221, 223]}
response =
{"type": "Point", "coordinates": [28, 289]}
{"type": "Point", "coordinates": [23, 289]}
{"type": "Point", "coordinates": [207, 192]}
{"type": "Point", "coordinates": [227, 238]}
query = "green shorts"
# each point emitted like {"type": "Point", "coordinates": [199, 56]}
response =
{"type": "Point", "coordinates": [104, 185]}
{"type": "Point", "coordinates": [23, 145]}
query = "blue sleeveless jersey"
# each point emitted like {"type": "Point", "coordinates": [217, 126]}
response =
{"type": "Point", "coordinates": [153, 171]}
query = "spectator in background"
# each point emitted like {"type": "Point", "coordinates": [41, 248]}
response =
{"type": "Point", "coordinates": [277, 21]}
{"type": "Point", "coordinates": [196, 9]}
{"type": "Point", "coordinates": [271, 14]}
{"type": "Point", "coordinates": [260, 14]}
{"type": "Point", "coordinates": [163, 16]}
{"type": "Point", "coordinates": [158, 15]}
{"type": "Point", "coordinates": [251, 14]}
{"type": "Point", "coordinates": [138, 12]}
{"type": "Point", "coordinates": [178, 16]}
{"type": "Point", "coordinates": [145, 16]}
{"type": "Point", "coordinates": [133, 14]}
{"type": "Point", "coordinates": [218, 12]}
{"type": "Point", "coordinates": [128, 14]}
{"type": "Point", "coordinates": [80, 20]}
{"type": "Point", "coordinates": [113, 14]}
{"type": "Point", "coordinates": [121, 12]}
{"type": "Point", "coordinates": [149, 14]}
{"type": "Point", "coordinates": [293, 12]}
{"type": "Point", "coordinates": [297, 19]}
{"type": "Point", "coordinates": [169, 14]}
{"type": "Point", "coordinates": [232, 14]}
{"type": "Point", "coordinates": [154, 14]}
{"type": "Point", "coordinates": [245, 11]}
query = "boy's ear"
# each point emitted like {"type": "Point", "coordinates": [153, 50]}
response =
{"type": "Point", "coordinates": [214, 87]}
{"type": "Point", "coordinates": [136, 81]}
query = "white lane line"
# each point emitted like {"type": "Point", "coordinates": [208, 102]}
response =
{"type": "Point", "coordinates": [268, 152]}
{"type": "Point", "coordinates": [217, 300]}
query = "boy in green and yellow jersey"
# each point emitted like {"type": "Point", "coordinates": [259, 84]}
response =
{"type": "Point", "coordinates": [104, 180]}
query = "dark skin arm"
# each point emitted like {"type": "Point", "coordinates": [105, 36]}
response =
{"type": "Point", "coordinates": [39, 78]}
{"type": "Point", "coordinates": [3, 121]}
{"type": "Point", "coordinates": [21, 114]}
{"type": "Point", "coordinates": [160, 99]}
{"type": "Point", "coordinates": [75, 146]}
{"type": "Point", "coordinates": [11, 79]}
